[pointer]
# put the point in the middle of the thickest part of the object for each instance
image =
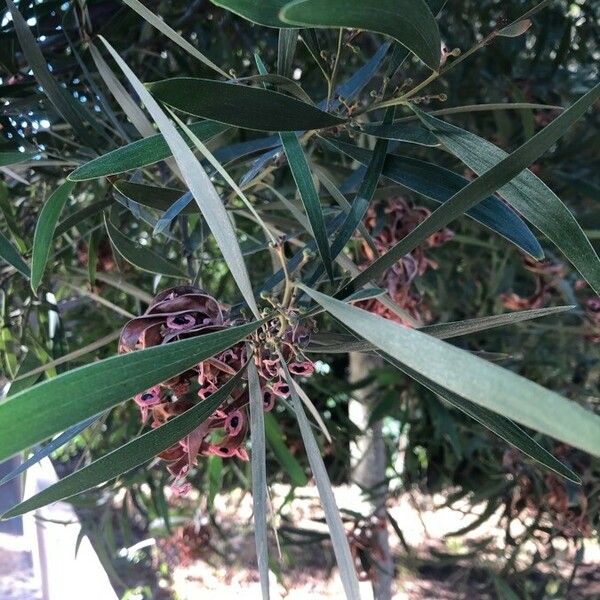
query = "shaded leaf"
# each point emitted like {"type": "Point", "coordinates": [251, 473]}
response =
{"type": "Point", "coordinates": [410, 22]}
{"type": "Point", "coordinates": [12, 158]}
{"type": "Point", "coordinates": [155, 21]}
{"type": "Point", "coordinates": [64, 104]}
{"type": "Point", "coordinates": [241, 105]}
{"type": "Point", "coordinates": [527, 193]}
{"type": "Point", "coordinates": [49, 448]}
{"type": "Point", "coordinates": [480, 188]}
{"type": "Point", "coordinates": [11, 255]}
{"type": "Point", "coordinates": [308, 194]}
{"type": "Point", "coordinates": [35, 414]}
{"type": "Point", "coordinates": [439, 184]}
{"type": "Point", "coordinates": [400, 132]}
{"type": "Point", "coordinates": [44, 231]}
{"type": "Point", "coordinates": [139, 256]}
{"type": "Point", "coordinates": [281, 452]}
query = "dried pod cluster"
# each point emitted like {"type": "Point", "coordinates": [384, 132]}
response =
{"type": "Point", "coordinates": [184, 312]}
{"type": "Point", "coordinates": [388, 222]}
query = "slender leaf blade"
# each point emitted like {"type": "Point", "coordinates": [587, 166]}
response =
{"type": "Point", "coordinates": [140, 153]}
{"type": "Point", "coordinates": [339, 540]}
{"type": "Point", "coordinates": [472, 378]}
{"type": "Point", "coordinates": [48, 449]}
{"type": "Point", "coordinates": [63, 103]}
{"type": "Point", "coordinates": [159, 24]}
{"type": "Point", "coordinates": [140, 257]}
{"type": "Point", "coordinates": [492, 180]}
{"type": "Point", "coordinates": [44, 231]}
{"type": "Point", "coordinates": [199, 184]}
{"type": "Point", "coordinates": [526, 192]}
{"type": "Point", "coordinates": [262, 12]}
{"type": "Point", "coordinates": [33, 414]}
{"type": "Point", "coordinates": [281, 452]}
{"type": "Point", "coordinates": [128, 456]}
{"type": "Point", "coordinates": [439, 184]}
{"type": "Point", "coordinates": [308, 194]}
{"type": "Point", "coordinates": [12, 256]}
{"type": "Point", "coordinates": [241, 105]}
{"type": "Point", "coordinates": [259, 476]}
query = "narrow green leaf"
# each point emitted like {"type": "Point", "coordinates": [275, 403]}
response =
{"type": "Point", "coordinates": [35, 414]}
{"type": "Point", "coordinates": [152, 196]}
{"type": "Point", "coordinates": [400, 132]}
{"type": "Point", "coordinates": [472, 378]}
{"type": "Point", "coordinates": [444, 331]}
{"type": "Point", "coordinates": [155, 21]}
{"type": "Point", "coordinates": [480, 188]}
{"type": "Point", "coordinates": [135, 114]}
{"type": "Point", "coordinates": [93, 246]}
{"type": "Point", "coordinates": [11, 255]}
{"type": "Point", "coordinates": [439, 184]}
{"type": "Point", "coordinates": [127, 457]}
{"type": "Point", "coordinates": [409, 22]}
{"type": "Point", "coordinates": [286, 48]}
{"type": "Point", "coordinates": [81, 215]}
{"type": "Point", "coordinates": [526, 192]}
{"type": "Point", "coordinates": [12, 158]}
{"type": "Point", "coordinates": [362, 200]}
{"type": "Point", "coordinates": [44, 231]}
{"type": "Point", "coordinates": [510, 432]}
{"type": "Point", "coordinates": [339, 343]}
{"type": "Point", "coordinates": [140, 153]}
{"type": "Point", "coordinates": [341, 548]}
{"type": "Point", "coordinates": [59, 97]}
{"type": "Point", "coordinates": [139, 256]}
{"type": "Point", "coordinates": [281, 452]}
{"type": "Point", "coordinates": [308, 194]}
{"type": "Point", "coordinates": [198, 183]}
{"type": "Point", "coordinates": [259, 476]}
{"type": "Point", "coordinates": [262, 12]}
{"type": "Point", "coordinates": [241, 105]}
{"type": "Point", "coordinates": [49, 448]}
{"type": "Point", "coordinates": [504, 428]}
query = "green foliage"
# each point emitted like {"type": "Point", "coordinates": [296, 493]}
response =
{"type": "Point", "coordinates": [353, 119]}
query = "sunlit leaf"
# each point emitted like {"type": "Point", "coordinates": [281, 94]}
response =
{"type": "Point", "coordinates": [35, 414]}
{"type": "Point", "coordinates": [472, 378]}
{"type": "Point", "coordinates": [129, 456]}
